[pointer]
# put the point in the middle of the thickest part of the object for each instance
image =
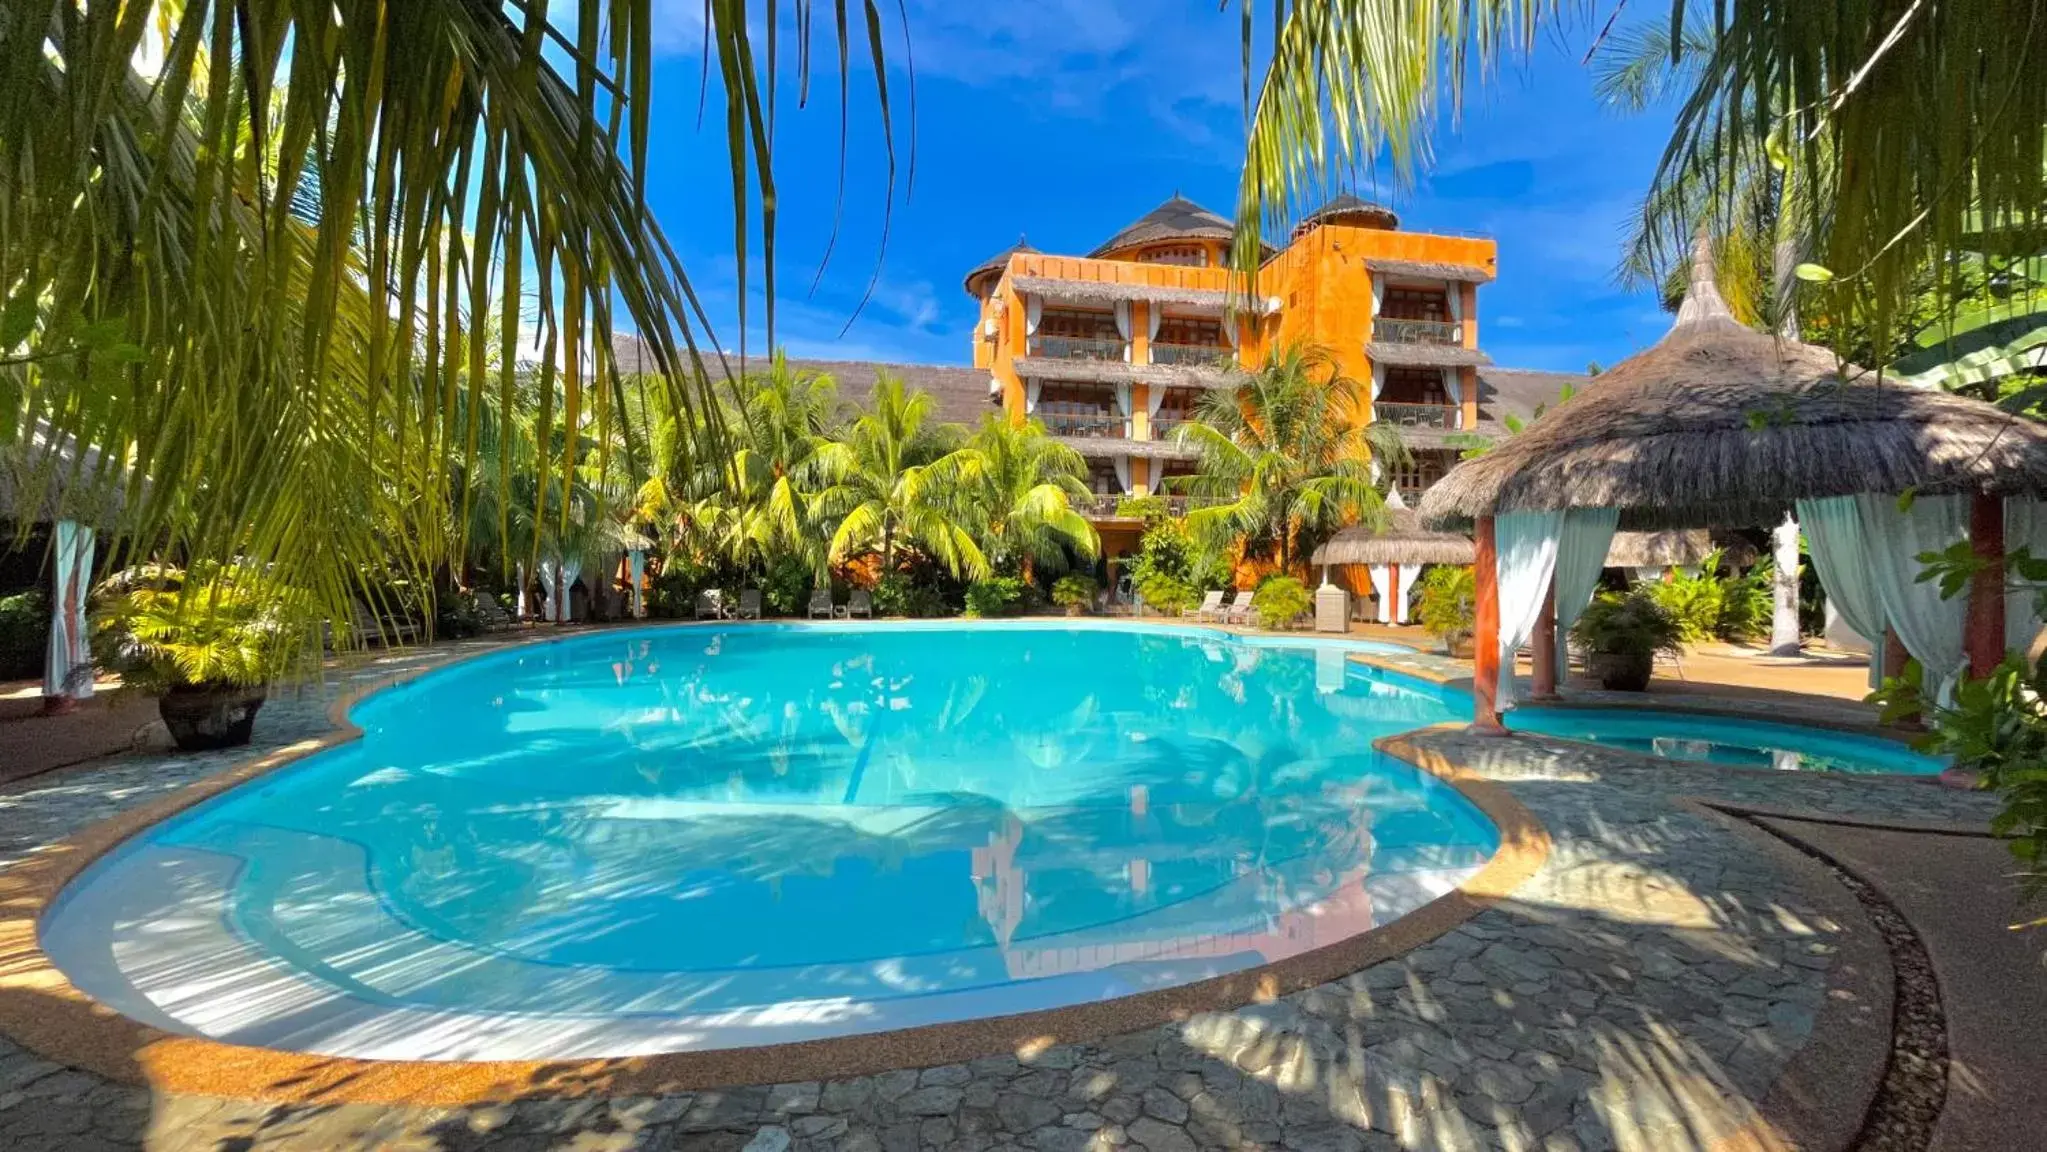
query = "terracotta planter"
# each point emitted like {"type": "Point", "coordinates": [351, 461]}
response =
{"type": "Point", "coordinates": [1621, 671]}
{"type": "Point", "coordinates": [1076, 609]}
{"type": "Point", "coordinates": [1462, 648]}
{"type": "Point", "coordinates": [204, 719]}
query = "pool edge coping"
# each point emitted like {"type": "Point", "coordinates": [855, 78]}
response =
{"type": "Point", "coordinates": [44, 1012]}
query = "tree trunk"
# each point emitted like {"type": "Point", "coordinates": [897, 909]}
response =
{"type": "Point", "coordinates": [1784, 589]}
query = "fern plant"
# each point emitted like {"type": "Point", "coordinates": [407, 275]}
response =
{"type": "Point", "coordinates": [230, 626]}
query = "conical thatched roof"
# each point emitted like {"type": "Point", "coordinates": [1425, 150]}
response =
{"type": "Point", "coordinates": [1402, 540]}
{"type": "Point", "coordinates": [1720, 424]}
{"type": "Point", "coordinates": [1177, 219]}
{"type": "Point", "coordinates": [1349, 209]}
{"type": "Point", "coordinates": [993, 266]}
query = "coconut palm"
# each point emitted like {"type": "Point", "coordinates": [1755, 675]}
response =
{"type": "Point", "coordinates": [1920, 122]}
{"type": "Point", "coordinates": [894, 476]}
{"type": "Point", "coordinates": [1288, 452]}
{"type": "Point", "coordinates": [1025, 483]}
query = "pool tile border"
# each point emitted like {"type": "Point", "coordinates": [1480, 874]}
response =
{"type": "Point", "coordinates": [44, 1012]}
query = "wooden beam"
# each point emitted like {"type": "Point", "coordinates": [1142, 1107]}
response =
{"type": "Point", "coordinates": [1485, 656]}
{"type": "Point", "coordinates": [1983, 635]}
{"type": "Point", "coordinates": [1544, 641]}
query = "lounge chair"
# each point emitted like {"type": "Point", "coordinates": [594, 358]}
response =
{"type": "Point", "coordinates": [1237, 611]}
{"type": "Point", "coordinates": [860, 603]}
{"type": "Point", "coordinates": [369, 629]}
{"type": "Point", "coordinates": [1210, 608]}
{"type": "Point", "coordinates": [750, 604]}
{"type": "Point", "coordinates": [821, 604]}
{"type": "Point", "coordinates": [492, 614]}
{"type": "Point", "coordinates": [710, 604]}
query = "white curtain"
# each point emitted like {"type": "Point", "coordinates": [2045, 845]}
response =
{"type": "Point", "coordinates": [1581, 556]}
{"type": "Point", "coordinates": [1409, 573]}
{"type": "Point", "coordinates": [68, 669]}
{"type": "Point", "coordinates": [1123, 326]}
{"type": "Point", "coordinates": [636, 563]}
{"type": "Point", "coordinates": [1123, 405]}
{"type": "Point", "coordinates": [1230, 329]}
{"type": "Point", "coordinates": [1833, 534]}
{"type": "Point", "coordinates": [519, 574]}
{"type": "Point", "coordinates": [1930, 625]}
{"type": "Point", "coordinates": [2025, 526]}
{"type": "Point", "coordinates": [571, 568]}
{"type": "Point", "coordinates": [1153, 313]}
{"type": "Point", "coordinates": [1034, 311]}
{"type": "Point", "coordinates": [1378, 380]}
{"type": "Point", "coordinates": [1378, 295]}
{"type": "Point", "coordinates": [1453, 386]}
{"type": "Point", "coordinates": [549, 588]}
{"type": "Point", "coordinates": [1382, 589]}
{"type": "Point", "coordinates": [1153, 400]}
{"type": "Point", "coordinates": [1526, 559]}
{"type": "Point", "coordinates": [1123, 473]}
{"type": "Point", "coordinates": [1454, 294]}
{"type": "Point", "coordinates": [1031, 388]}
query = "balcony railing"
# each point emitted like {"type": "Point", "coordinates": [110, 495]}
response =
{"type": "Point", "coordinates": [1164, 427]}
{"type": "Point", "coordinates": [1445, 416]}
{"type": "Point", "coordinates": [1069, 424]}
{"type": "Point", "coordinates": [1076, 348]}
{"type": "Point", "coordinates": [1193, 355]}
{"type": "Point", "coordinates": [1114, 504]}
{"type": "Point", "coordinates": [1386, 330]}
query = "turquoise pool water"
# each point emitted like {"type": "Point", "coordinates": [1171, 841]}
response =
{"type": "Point", "coordinates": [701, 837]}
{"type": "Point", "coordinates": [1727, 741]}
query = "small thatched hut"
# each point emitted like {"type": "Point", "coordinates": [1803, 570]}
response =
{"type": "Point", "coordinates": [1677, 548]}
{"type": "Point", "coordinates": [1718, 424]}
{"type": "Point", "coordinates": [1383, 560]}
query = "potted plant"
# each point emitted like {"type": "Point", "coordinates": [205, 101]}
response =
{"type": "Point", "coordinates": [1448, 607]}
{"type": "Point", "coordinates": [1074, 592]}
{"type": "Point", "coordinates": [1621, 636]}
{"type": "Point", "coordinates": [208, 646]}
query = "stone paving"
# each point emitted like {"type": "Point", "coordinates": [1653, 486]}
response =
{"type": "Point", "coordinates": [1643, 991]}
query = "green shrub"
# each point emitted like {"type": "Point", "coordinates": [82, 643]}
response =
{"type": "Point", "coordinates": [1749, 603]}
{"type": "Point", "coordinates": [1694, 603]}
{"type": "Point", "coordinates": [995, 596]}
{"type": "Point", "coordinates": [785, 591]}
{"type": "Point", "coordinates": [1996, 728]}
{"type": "Point", "coordinates": [1168, 594]}
{"type": "Point", "coordinates": [1145, 508]}
{"type": "Point", "coordinates": [1448, 605]}
{"type": "Point", "coordinates": [1636, 624]}
{"type": "Point", "coordinates": [227, 626]}
{"type": "Point", "coordinates": [673, 595]}
{"type": "Point", "coordinates": [24, 634]}
{"type": "Point", "coordinates": [897, 595]}
{"type": "Point", "coordinates": [456, 615]}
{"type": "Point", "coordinates": [1280, 601]}
{"type": "Point", "coordinates": [1074, 590]}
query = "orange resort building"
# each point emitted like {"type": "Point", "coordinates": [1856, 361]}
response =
{"type": "Point", "coordinates": [1111, 350]}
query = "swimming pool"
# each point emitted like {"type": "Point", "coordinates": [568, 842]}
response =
{"type": "Point", "coordinates": [700, 837]}
{"type": "Point", "coordinates": [1727, 741]}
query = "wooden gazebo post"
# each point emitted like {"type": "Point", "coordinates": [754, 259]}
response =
{"type": "Point", "coordinates": [1485, 652]}
{"type": "Point", "coordinates": [1983, 635]}
{"type": "Point", "coordinates": [1544, 642]}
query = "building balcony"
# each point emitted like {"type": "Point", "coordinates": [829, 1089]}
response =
{"type": "Point", "coordinates": [1103, 426]}
{"type": "Point", "coordinates": [1388, 330]}
{"type": "Point", "coordinates": [1194, 355]}
{"type": "Point", "coordinates": [1109, 506]}
{"type": "Point", "coordinates": [1444, 417]}
{"type": "Point", "coordinates": [1076, 348]}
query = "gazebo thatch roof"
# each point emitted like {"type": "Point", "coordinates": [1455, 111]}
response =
{"type": "Point", "coordinates": [45, 478]}
{"type": "Point", "coordinates": [1676, 548]}
{"type": "Point", "coordinates": [1352, 210]}
{"type": "Point", "coordinates": [993, 266]}
{"type": "Point", "coordinates": [1720, 424]}
{"type": "Point", "coordinates": [1177, 219]}
{"type": "Point", "coordinates": [1401, 540]}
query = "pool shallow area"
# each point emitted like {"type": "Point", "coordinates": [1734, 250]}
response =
{"type": "Point", "coordinates": [1727, 741]}
{"type": "Point", "coordinates": [701, 837]}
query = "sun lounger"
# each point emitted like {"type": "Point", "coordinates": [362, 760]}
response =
{"type": "Point", "coordinates": [860, 603]}
{"type": "Point", "coordinates": [710, 604]}
{"type": "Point", "coordinates": [369, 629]}
{"type": "Point", "coordinates": [1210, 608]}
{"type": "Point", "coordinates": [750, 604]}
{"type": "Point", "coordinates": [492, 614]}
{"type": "Point", "coordinates": [821, 604]}
{"type": "Point", "coordinates": [1237, 611]}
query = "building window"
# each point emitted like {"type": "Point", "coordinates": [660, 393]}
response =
{"type": "Point", "coordinates": [1080, 325]}
{"type": "Point", "coordinates": [1415, 304]}
{"type": "Point", "coordinates": [1101, 478]}
{"type": "Point", "coordinates": [1189, 255]}
{"type": "Point", "coordinates": [1423, 468]}
{"type": "Point", "coordinates": [1202, 333]}
{"type": "Point", "coordinates": [1413, 386]}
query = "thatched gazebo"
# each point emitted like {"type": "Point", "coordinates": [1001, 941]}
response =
{"type": "Point", "coordinates": [1718, 424]}
{"type": "Point", "coordinates": [1349, 210]}
{"type": "Point", "coordinates": [47, 477]}
{"type": "Point", "coordinates": [1392, 553]}
{"type": "Point", "coordinates": [1674, 548]}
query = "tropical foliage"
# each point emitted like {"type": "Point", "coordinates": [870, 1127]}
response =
{"type": "Point", "coordinates": [212, 627]}
{"type": "Point", "coordinates": [1627, 624]}
{"type": "Point", "coordinates": [1286, 456]}
{"type": "Point", "coordinates": [1280, 601]}
{"type": "Point", "coordinates": [1448, 604]}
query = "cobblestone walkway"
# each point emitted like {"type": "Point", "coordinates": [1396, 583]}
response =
{"type": "Point", "coordinates": [1644, 990]}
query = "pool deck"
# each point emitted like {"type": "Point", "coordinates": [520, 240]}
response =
{"type": "Point", "coordinates": [1670, 976]}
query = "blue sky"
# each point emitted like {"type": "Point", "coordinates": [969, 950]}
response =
{"type": "Point", "coordinates": [1064, 120]}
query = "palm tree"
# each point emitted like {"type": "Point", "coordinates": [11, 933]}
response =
{"type": "Point", "coordinates": [894, 476]}
{"type": "Point", "coordinates": [1025, 486]}
{"type": "Point", "coordinates": [1288, 452]}
{"type": "Point", "coordinates": [779, 422]}
{"type": "Point", "coordinates": [1913, 123]}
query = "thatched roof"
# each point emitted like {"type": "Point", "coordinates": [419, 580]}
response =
{"type": "Point", "coordinates": [1350, 210]}
{"type": "Point", "coordinates": [1117, 372]}
{"type": "Point", "coordinates": [1677, 548]}
{"type": "Point", "coordinates": [1401, 540]}
{"type": "Point", "coordinates": [1104, 447]}
{"type": "Point", "coordinates": [1429, 269]}
{"type": "Point", "coordinates": [44, 477]}
{"type": "Point", "coordinates": [991, 269]}
{"type": "Point", "coordinates": [1177, 219]}
{"type": "Point", "coordinates": [1424, 355]}
{"type": "Point", "coordinates": [1104, 292]}
{"type": "Point", "coordinates": [1720, 424]}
